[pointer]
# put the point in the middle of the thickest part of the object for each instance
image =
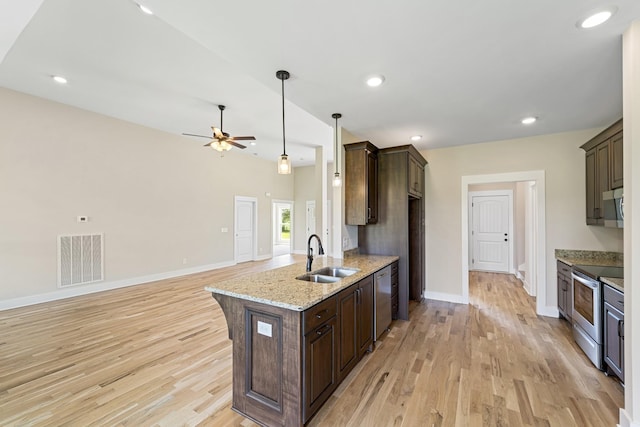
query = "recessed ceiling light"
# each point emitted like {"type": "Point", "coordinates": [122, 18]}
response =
{"type": "Point", "coordinates": [416, 137]}
{"type": "Point", "coordinates": [145, 9]}
{"type": "Point", "coordinates": [375, 81]}
{"type": "Point", "coordinates": [59, 79]}
{"type": "Point", "coordinates": [529, 120]}
{"type": "Point", "coordinates": [253, 143]}
{"type": "Point", "coordinates": [596, 18]}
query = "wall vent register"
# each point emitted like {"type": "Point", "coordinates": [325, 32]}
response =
{"type": "Point", "coordinates": [80, 259]}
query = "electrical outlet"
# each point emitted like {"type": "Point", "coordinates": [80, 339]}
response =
{"type": "Point", "coordinates": [83, 218]}
{"type": "Point", "coordinates": [184, 261]}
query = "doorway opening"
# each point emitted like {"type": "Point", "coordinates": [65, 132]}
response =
{"type": "Point", "coordinates": [282, 227]}
{"type": "Point", "coordinates": [537, 261]}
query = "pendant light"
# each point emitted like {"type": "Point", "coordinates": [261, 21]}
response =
{"type": "Point", "coordinates": [284, 164]}
{"type": "Point", "coordinates": [337, 181]}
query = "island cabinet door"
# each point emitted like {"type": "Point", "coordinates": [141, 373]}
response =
{"type": "Point", "coordinates": [347, 338]}
{"type": "Point", "coordinates": [320, 366]}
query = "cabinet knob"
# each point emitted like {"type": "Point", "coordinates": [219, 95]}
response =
{"type": "Point", "coordinates": [319, 314]}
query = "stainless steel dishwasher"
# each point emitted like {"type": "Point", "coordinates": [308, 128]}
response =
{"type": "Point", "coordinates": [382, 283]}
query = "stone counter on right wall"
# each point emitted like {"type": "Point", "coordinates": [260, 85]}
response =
{"type": "Point", "coordinates": [581, 257]}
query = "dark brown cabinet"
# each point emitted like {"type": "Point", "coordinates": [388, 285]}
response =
{"type": "Point", "coordinates": [355, 310]}
{"type": "Point", "coordinates": [400, 227]}
{"type": "Point", "coordinates": [416, 177]}
{"type": "Point", "coordinates": [361, 183]}
{"type": "Point", "coordinates": [565, 290]}
{"type": "Point", "coordinates": [364, 318]}
{"type": "Point", "coordinates": [603, 169]}
{"type": "Point", "coordinates": [614, 331]}
{"type": "Point", "coordinates": [320, 353]}
{"type": "Point", "coordinates": [616, 161]}
{"type": "Point", "coordinates": [320, 367]}
{"type": "Point", "coordinates": [394, 290]}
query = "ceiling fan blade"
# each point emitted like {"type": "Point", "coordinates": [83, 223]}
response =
{"type": "Point", "coordinates": [243, 138]}
{"type": "Point", "coordinates": [209, 144]}
{"type": "Point", "coordinates": [200, 136]}
{"type": "Point", "coordinates": [235, 144]}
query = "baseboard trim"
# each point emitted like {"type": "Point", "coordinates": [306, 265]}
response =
{"type": "Point", "coordinates": [105, 286]}
{"type": "Point", "coordinates": [441, 296]}
{"type": "Point", "coordinates": [625, 419]}
{"type": "Point", "coordinates": [549, 311]}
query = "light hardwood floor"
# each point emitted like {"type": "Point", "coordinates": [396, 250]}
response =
{"type": "Point", "coordinates": [158, 354]}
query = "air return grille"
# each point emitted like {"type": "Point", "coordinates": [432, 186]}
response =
{"type": "Point", "coordinates": [80, 259]}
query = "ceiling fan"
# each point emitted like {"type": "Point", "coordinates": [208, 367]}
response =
{"type": "Point", "coordinates": [220, 140]}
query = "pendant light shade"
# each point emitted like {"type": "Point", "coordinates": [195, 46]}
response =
{"type": "Point", "coordinates": [337, 180]}
{"type": "Point", "coordinates": [284, 164]}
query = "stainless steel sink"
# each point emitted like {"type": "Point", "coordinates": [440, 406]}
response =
{"type": "Point", "coordinates": [318, 278]}
{"type": "Point", "coordinates": [336, 271]}
{"type": "Point", "coordinates": [328, 274]}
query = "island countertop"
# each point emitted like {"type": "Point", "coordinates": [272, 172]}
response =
{"type": "Point", "coordinates": [279, 287]}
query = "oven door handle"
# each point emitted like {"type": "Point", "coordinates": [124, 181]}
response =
{"type": "Point", "coordinates": [589, 283]}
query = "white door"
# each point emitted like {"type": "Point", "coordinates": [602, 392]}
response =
{"type": "Point", "coordinates": [490, 233]}
{"type": "Point", "coordinates": [245, 229]}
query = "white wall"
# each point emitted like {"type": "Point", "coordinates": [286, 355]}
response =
{"type": "Point", "coordinates": [304, 190]}
{"type": "Point", "coordinates": [630, 415]}
{"type": "Point", "coordinates": [158, 198]}
{"type": "Point", "coordinates": [562, 160]}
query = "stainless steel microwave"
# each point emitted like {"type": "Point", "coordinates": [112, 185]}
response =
{"type": "Point", "coordinates": [613, 206]}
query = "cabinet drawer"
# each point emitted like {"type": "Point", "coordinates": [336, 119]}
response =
{"type": "Point", "coordinates": [564, 269]}
{"type": "Point", "coordinates": [614, 297]}
{"type": "Point", "coordinates": [319, 314]}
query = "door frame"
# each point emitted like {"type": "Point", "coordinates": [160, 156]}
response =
{"type": "Point", "coordinates": [275, 221]}
{"type": "Point", "coordinates": [254, 203]}
{"type": "Point", "coordinates": [509, 194]}
{"type": "Point", "coordinates": [540, 226]}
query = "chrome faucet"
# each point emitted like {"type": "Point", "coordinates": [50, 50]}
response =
{"type": "Point", "coordinates": [310, 250]}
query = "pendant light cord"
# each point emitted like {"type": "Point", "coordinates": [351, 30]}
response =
{"type": "Point", "coordinates": [284, 143]}
{"type": "Point", "coordinates": [336, 116]}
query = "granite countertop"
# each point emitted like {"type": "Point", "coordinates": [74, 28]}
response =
{"type": "Point", "coordinates": [572, 257]}
{"type": "Point", "coordinates": [279, 287]}
{"type": "Point", "coordinates": [614, 282]}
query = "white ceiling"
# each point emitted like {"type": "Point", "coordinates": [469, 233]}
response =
{"type": "Point", "coordinates": [456, 72]}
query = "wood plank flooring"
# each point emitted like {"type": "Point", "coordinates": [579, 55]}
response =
{"type": "Point", "coordinates": [158, 355]}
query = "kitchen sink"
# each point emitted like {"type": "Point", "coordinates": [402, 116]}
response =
{"type": "Point", "coordinates": [328, 274]}
{"type": "Point", "coordinates": [336, 271]}
{"type": "Point", "coordinates": [318, 278]}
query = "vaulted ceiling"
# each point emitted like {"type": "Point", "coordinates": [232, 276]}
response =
{"type": "Point", "coordinates": [455, 72]}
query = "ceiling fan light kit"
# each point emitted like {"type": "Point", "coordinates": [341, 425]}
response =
{"type": "Point", "coordinates": [337, 180]}
{"type": "Point", "coordinates": [284, 163]}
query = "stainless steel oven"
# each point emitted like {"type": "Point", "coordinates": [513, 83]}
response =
{"type": "Point", "coordinates": [587, 308]}
{"type": "Point", "coordinates": [587, 317]}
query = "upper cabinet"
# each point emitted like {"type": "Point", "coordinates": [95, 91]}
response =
{"type": "Point", "coordinates": [361, 183]}
{"type": "Point", "coordinates": [416, 176]}
{"type": "Point", "coordinates": [603, 169]}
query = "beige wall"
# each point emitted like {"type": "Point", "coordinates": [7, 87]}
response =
{"type": "Point", "coordinates": [158, 198]}
{"type": "Point", "coordinates": [562, 160]}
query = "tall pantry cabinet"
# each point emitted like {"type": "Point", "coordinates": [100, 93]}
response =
{"type": "Point", "coordinates": [399, 229]}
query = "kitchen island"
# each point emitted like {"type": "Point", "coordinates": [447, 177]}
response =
{"type": "Point", "coordinates": [294, 341]}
